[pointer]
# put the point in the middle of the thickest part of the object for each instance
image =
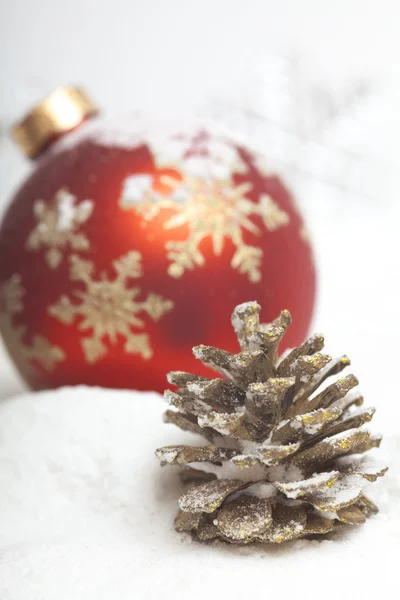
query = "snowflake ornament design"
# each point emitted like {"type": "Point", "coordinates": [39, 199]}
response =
{"type": "Point", "coordinates": [57, 226]}
{"type": "Point", "coordinates": [109, 308]}
{"type": "Point", "coordinates": [210, 208]}
{"type": "Point", "coordinates": [40, 350]}
{"type": "Point", "coordinates": [202, 193]}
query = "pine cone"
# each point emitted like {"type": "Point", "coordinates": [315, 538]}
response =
{"type": "Point", "coordinates": [280, 461]}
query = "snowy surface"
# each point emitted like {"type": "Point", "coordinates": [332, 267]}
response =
{"type": "Point", "coordinates": [86, 511]}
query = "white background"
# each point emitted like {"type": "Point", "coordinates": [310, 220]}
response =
{"type": "Point", "coordinates": [132, 52]}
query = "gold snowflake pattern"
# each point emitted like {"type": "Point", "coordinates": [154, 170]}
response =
{"type": "Point", "coordinates": [109, 308]}
{"type": "Point", "coordinates": [57, 226]}
{"type": "Point", "coordinates": [40, 350]}
{"type": "Point", "coordinates": [210, 208]}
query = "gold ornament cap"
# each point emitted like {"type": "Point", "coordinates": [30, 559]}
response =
{"type": "Point", "coordinates": [63, 110]}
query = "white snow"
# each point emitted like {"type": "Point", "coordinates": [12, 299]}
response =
{"type": "Point", "coordinates": [86, 511]}
{"type": "Point", "coordinates": [168, 148]}
{"type": "Point", "coordinates": [133, 189]}
{"type": "Point", "coordinates": [66, 210]}
{"type": "Point", "coordinates": [285, 473]}
{"type": "Point", "coordinates": [262, 490]}
{"type": "Point", "coordinates": [229, 470]}
{"type": "Point", "coordinates": [292, 489]}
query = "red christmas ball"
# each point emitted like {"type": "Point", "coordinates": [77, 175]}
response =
{"type": "Point", "coordinates": [126, 247]}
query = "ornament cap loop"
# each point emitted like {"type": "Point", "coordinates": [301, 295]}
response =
{"type": "Point", "coordinates": [63, 110]}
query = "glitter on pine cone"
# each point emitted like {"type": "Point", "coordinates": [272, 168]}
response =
{"type": "Point", "coordinates": [284, 460]}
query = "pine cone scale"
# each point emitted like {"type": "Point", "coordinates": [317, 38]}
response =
{"type": "Point", "coordinates": [303, 427]}
{"type": "Point", "coordinates": [209, 496]}
{"type": "Point", "coordinates": [327, 449]}
{"type": "Point", "coordinates": [183, 455]}
{"type": "Point", "coordinates": [245, 518]}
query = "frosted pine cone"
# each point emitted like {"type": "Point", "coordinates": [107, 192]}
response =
{"type": "Point", "coordinates": [284, 460]}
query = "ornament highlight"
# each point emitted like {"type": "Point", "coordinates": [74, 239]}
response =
{"type": "Point", "coordinates": [283, 460]}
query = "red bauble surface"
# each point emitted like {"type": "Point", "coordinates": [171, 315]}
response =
{"type": "Point", "coordinates": [121, 252]}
